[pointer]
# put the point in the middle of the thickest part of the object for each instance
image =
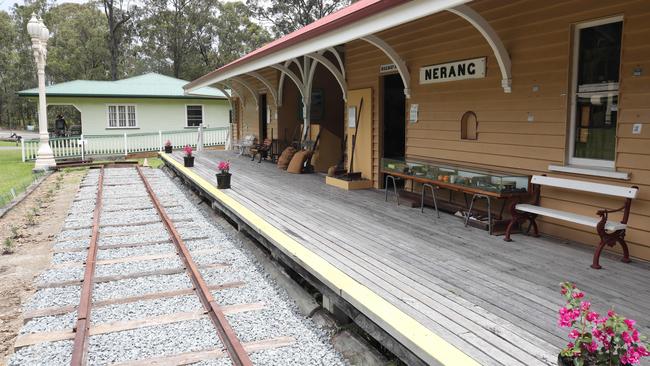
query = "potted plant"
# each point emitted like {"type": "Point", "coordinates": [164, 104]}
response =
{"type": "Point", "coordinates": [188, 159]}
{"type": "Point", "coordinates": [595, 340]}
{"type": "Point", "coordinates": [168, 147]}
{"type": "Point", "coordinates": [223, 177]}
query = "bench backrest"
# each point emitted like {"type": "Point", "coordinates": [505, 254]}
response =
{"type": "Point", "coordinates": [579, 185]}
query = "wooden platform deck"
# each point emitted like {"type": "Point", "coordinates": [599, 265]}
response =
{"type": "Point", "coordinates": [495, 301]}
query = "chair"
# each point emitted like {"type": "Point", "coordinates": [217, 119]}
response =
{"type": "Point", "coordinates": [261, 149]}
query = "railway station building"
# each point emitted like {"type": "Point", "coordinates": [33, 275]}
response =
{"type": "Point", "coordinates": [558, 88]}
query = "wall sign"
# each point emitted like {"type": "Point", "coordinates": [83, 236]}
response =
{"type": "Point", "coordinates": [451, 71]}
{"type": "Point", "coordinates": [386, 68]}
{"type": "Point", "coordinates": [413, 113]}
{"type": "Point", "coordinates": [352, 117]}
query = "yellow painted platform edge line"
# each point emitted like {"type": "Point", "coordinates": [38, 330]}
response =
{"type": "Point", "coordinates": [429, 342]}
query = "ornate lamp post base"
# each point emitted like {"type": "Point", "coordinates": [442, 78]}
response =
{"type": "Point", "coordinates": [39, 35]}
{"type": "Point", "coordinates": [44, 159]}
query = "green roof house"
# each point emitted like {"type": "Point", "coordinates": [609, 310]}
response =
{"type": "Point", "coordinates": [142, 104]}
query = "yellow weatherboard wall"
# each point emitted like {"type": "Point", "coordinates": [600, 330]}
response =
{"type": "Point", "coordinates": [404, 328]}
{"type": "Point", "coordinates": [363, 150]}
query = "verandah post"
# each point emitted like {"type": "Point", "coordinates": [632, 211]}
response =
{"type": "Point", "coordinates": [22, 148]}
{"type": "Point", "coordinates": [126, 147]}
{"type": "Point", "coordinates": [160, 142]}
{"type": "Point", "coordinates": [199, 144]}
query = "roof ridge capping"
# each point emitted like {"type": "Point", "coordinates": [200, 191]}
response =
{"type": "Point", "coordinates": [351, 13]}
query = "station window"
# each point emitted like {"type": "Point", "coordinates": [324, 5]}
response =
{"type": "Point", "coordinates": [469, 126]}
{"type": "Point", "coordinates": [194, 115]}
{"type": "Point", "coordinates": [122, 116]}
{"type": "Point", "coordinates": [597, 59]}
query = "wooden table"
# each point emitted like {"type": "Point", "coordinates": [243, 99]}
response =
{"type": "Point", "coordinates": [476, 192]}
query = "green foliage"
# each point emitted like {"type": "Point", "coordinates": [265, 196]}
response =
{"type": "Point", "coordinates": [286, 16]}
{"type": "Point", "coordinates": [15, 231]}
{"type": "Point", "coordinates": [14, 174]}
{"type": "Point", "coordinates": [8, 246]}
{"type": "Point", "coordinates": [30, 218]}
{"type": "Point", "coordinates": [113, 39]}
{"type": "Point", "coordinates": [77, 49]}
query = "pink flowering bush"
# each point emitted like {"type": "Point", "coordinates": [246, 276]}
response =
{"type": "Point", "coordinates": [224, 167]}
{"type": "Point", "coordinates": [598, 340]}
{"type": "Point", "coordinates": [188, 150]}
{"type": "Point", "coordinates": [168, 143]}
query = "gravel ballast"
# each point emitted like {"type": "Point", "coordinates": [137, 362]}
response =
{"type": "Point", "coordinates": [125, 205]}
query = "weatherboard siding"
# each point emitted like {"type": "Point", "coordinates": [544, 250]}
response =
{"type": "Point", "coordinates": [538, 37]}
{"type": "Point", "coordinates": [152, 115]}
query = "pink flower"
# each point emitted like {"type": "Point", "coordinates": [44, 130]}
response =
{"type": "Point", "coordinates": [626, 338]}
{"type": "Point", "coordinates": [592, 316]}
{"type": "Point", "coordinates": [563, 290]}
{"type": "Point", "coordinates": [578, 295]}
{"type": "Point", "coordinates": [592, 347]}
{"type": "Point", "coordinates": [643, 351]}
{"type": "Point", "coordinates": [188, 150]}
{"type": "Point", "coordinates": [585, 305]}
{"type": "Point", "coordinates": [635, 335]}
{"type": "Point", "coordinates": [224, 166]}
{"type": "Point", "coordinates": [630, 323]}
{"type": "Point", "coordinates": [574, 333]}
{"type": "Point", "coordinates": [611, 313]}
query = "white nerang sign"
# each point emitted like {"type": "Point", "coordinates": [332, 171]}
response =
{"type": "Point", "coordinates": [451, 71]}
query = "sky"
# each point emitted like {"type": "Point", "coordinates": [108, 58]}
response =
{"type": "Point", "coordinates": [8, 4]}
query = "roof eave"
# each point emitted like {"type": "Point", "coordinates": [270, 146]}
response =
{"type": "Point", "coordinates": [352, 27]}
{"type": "Point", "coordinates": [113, 96]}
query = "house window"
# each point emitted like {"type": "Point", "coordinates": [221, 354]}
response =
{"type": "Point", "coordinates": [122, 116]}
{"type": "Point", "coordinates": [597, 61]}
{"type": "Point", "coordinates": [194, 115]}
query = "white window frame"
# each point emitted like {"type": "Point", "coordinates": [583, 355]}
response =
{"type": "Point", "coordinates": [610, 164]}
{"type": "Point", "coordinates": [202, 115]}
{"type": "Point", "coordinates": [117, 105]}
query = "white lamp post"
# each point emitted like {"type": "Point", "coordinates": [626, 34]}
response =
{"type": "Point", "coordinates": [39, 35]}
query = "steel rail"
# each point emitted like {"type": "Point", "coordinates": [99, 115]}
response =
{"type": "Point", "coordinates": [80, 345]}
{"type": "Point", "coordinates": [238, 354]}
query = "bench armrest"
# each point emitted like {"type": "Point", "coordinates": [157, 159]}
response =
{"type": "Point", "coordinates": [605, 211]}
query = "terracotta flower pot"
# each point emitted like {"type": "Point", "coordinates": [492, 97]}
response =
{"type": "Point", "coordinates": [223, 180]}
{"type": "Point", "coordinates": [189, 161]}
{"type": "Point", "coordinates": [168, 149]}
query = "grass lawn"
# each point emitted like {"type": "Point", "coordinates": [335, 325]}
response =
{"type": "Point", "coordinates": [9, 143]}
{"type": "Point", "coordinates": [13, 173]}
{"type": "Point", "coordinates": [153, 162]}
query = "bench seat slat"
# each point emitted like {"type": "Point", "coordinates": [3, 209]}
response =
{"type": "Point", "coordinates": [569, 216]}
{"type": "Point", "coordinates": [578, 185]}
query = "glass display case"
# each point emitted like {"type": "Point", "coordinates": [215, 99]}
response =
{"type": "Point", "coordinates": [492, 181]}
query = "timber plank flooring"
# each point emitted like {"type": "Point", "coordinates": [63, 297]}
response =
{"type": "Point", "coordinates": [496, 301]}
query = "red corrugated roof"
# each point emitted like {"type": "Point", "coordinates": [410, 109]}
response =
{"type": "Point", "coordinates": [347, 15]}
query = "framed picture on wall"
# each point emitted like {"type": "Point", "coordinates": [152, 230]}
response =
{"type": "Point", "coordinates": [317, 105]}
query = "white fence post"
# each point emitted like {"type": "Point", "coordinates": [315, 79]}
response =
{"type": "Point", "coordinates": [126, 146]}
{"type": "Point", "coordinates": [22, 148]}
{"type": "Point", "coordinates": [82, 145]}
{"type": "Point", "coordinates": [160, 140]}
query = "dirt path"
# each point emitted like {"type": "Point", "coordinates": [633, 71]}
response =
{"type": "Point", "coordinates": [31, 227]}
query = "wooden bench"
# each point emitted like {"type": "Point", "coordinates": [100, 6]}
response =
{"type": "Point", "coordinates": [610, 231]}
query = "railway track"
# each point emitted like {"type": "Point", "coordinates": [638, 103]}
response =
{"type": "Point", "coordinates": [130, 276]}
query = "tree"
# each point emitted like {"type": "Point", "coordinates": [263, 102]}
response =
{"type": "Point", "coordinates": [78, 47]}
{"type": "Point", "coordinates": [167, 30]}
{"type": "Point", "coordinates": [286, 16]}
{"type": "Point", "coordinates": [237, 34]}
{"type": "Point", "coordinates": [117, 15]}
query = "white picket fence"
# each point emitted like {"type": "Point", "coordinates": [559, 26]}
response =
{"type": "Point", "coordinates": [124, 144]}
